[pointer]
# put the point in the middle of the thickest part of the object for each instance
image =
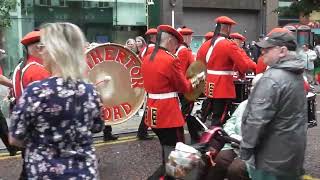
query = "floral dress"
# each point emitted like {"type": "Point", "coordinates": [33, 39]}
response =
{"type": "Point", "coordinates": [56, 118]}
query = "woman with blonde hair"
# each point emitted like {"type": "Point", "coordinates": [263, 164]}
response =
{"type": "Point", "coordinates": [131, 44]}
{"type": "Point", "coordinates": [140, 43]}
{"type": "Point", "coordinates": [55, 118]}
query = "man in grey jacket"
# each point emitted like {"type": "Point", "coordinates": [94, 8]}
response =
{"type": "Point", "coordinates": [274, 124]}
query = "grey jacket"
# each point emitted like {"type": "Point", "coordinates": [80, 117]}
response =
{"type": "Point", "coordinates": [274, 124]}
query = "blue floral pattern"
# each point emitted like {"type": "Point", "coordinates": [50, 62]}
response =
{"type": "Point", "coordinates": [55, 118]}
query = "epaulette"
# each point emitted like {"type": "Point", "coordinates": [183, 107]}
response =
{"type": "Point", "coordinates": [173, 55]}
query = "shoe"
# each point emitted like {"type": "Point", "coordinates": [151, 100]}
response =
{"type": "Point", "coordinates": [145, 137]}
{"type": "Point", "coordinates": [12, 151]}
{"type": "Point", "coordinates": [110, 137]}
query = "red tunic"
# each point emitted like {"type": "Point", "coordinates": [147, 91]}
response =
{"type": "Point", "coordinates": [251, 64]}
{"type": "Point", "coordinates": [261, 66]}
{"type": "Point", "coordinates": [163, 75]}
{"type": "Point", "coordinates": [32, 71]}
{"type": "Point", "coordinates": [185, 56]}
{"type": "Point", "coordinates": [225, 56]}
{"type": "Point", "coordinates": [146, 51]}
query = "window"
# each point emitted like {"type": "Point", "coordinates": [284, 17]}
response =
{"type": "Point", "coordinates": [86, 4]}
{"type": "Point", "coordinates": [103, 4]}
{"type": "Point", "coordinates": [45, 2]}
{"type": "Point", "coordinates": [62, 3]}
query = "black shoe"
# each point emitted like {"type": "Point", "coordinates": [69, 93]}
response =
{"type": "Point", "coordinates": [145, 137]}
{"type": "Point", "coordinates": [13, 151]}
{"type": "Point", "coordinates": [110, 137]}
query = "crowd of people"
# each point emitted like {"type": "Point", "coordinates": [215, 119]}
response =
{"type": "Point", "coordinates": [56, 111]}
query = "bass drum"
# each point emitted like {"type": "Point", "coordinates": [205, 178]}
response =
{"type": "Point", "coordinates": [116, 73]}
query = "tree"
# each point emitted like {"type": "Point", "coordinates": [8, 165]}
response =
{"type": "Point", "coordinates": [5, 7]}
{"type": "Point", "coordinates": [299, 7]}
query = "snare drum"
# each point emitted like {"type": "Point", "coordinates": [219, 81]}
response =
{"type": "Point", "coordinates": [242, 90]}
{"type": "Point", "coordinates": [312, 118]}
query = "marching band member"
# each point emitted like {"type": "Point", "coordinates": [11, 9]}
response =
{"type": "Point", "coordinates": [208, 35]}
{"type": "Point", "coordinates": [151, 39]}
{"type": "Point", "coordinates": [184, 54]}
{"type": "Point", "coordinates": [163, 80]}
{"type": "Point", "coordinates": [221, 56]}
{"type": "Point", "coordinates": [29, 70]}
{"type": "Point", "coordinates": [239, 39]}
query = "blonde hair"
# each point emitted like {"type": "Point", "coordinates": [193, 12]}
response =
{"type": "Point", "coordinates": [65, 44]}
{"type": "Point", "coordinates": [142, 40]}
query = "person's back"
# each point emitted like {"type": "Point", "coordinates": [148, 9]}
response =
{"type": "Point", "coordinates": [274, 123]}
{"type": "Point", "coordinates": [54, 118]}
{"type": "Point", "coordinates": [287, 130]}
{"type": "Point", "coordinates": [64, 107]}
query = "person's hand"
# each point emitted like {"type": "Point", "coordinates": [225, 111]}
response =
{"type": "Point", "coordinates": [195, 81]}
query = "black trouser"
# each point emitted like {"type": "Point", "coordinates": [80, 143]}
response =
{"type": "Point", "coordinates": [143, 128]}
{"type": "Point", "coordinates": [228, 166]}
{"type": "Point", "coordinates": [205, 109]}
{"type": "Point", "coordinates": [194, 127]}
{"type": "Point", "coordinates": [107, 130]}
{"type": "Point", "coordinates": [220, 109]}
{"type": "Point", "coordinates": [168, 138]}
{"type": "Point", "coordinates": [4, 132]}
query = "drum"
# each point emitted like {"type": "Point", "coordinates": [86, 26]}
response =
{"type": "Point", "coordinates": [312, 118]}
{"type": "Point", "coordinates": [242, 88]}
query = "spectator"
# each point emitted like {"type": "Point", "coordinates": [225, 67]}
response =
{"type": "Point", "coordinates": [3, 123]}
{"type": "Point", "coordinates": [54, 119]}
{"type": "Point", "coordinates": [317, 49]}
{"type": "Point", "coordinates": [131, 44]}
{"type": "Point", "coordinates": [140, 43]}
{"type": "Point", "coordinates": [308, 56]}
{"type": "Point", "coordinates": [274, 123]}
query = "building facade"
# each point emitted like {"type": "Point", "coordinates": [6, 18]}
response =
{"type": "Point", "coordinates": [118, 20]}
{"type": "Point", "coordinates": [254, 17]}
{"type": "Point", "coordinates": [100, 20]}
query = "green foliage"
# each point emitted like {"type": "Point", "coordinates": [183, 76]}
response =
{"type": "Point", "coordinates": [5, 7]}
{"type": "Point", "coordinates": [299, 6]}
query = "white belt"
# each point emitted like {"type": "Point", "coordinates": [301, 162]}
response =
{"type": "Point", "coordinates": [163, 95]}
{"type": "Point", "coordinates": [221, 72]}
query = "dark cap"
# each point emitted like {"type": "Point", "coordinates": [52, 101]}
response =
{"type": "Point", "coordinates": [279, 37]}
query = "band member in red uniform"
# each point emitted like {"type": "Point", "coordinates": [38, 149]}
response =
{"type": "Point", "coordinates": [239, 39]}
{"type": "Point", "coordinates": [208, 35]}
{"type": "Point", "coordinates": [163, 80]}
{"type": "Point", "coordinates": [221, 56]}
{"type": "Point", "coordinates": [184, 54]}
{"type": "Point", "coordinates": [29, 70]}
{"type": "Point", "coordinates": [151, 35]}
{"type": "Point", "coordinates": [151, 40]}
